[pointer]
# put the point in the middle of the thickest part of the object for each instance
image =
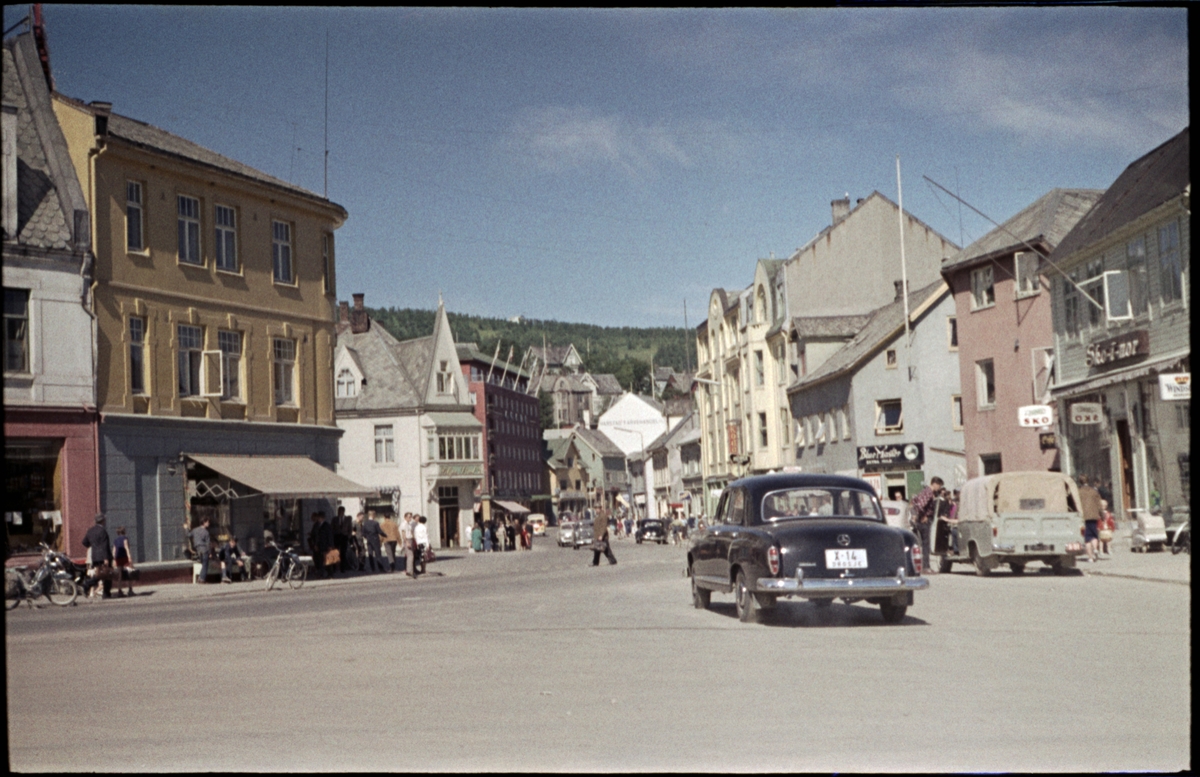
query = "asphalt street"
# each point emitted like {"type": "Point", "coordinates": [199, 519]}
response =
{"type": "Point", "coordinates": [535, 661]}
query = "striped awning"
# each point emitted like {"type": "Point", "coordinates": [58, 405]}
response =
{"type": "Point", "coordinates": [510, 507]}
{"type": "Point", "coordinates": [282, 477]}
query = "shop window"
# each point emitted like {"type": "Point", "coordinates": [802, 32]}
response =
{"type": "Point", "coordinates": [16, 330]}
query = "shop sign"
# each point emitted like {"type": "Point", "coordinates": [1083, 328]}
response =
{"type": "Point", "coordinates": [877, 456]}
{"type": "Point", "coordinates": [1035, 415]}
{"type": "Point", "coordinates": [875, 480]}
{"type": "Point", "coordinates": [1086, 413]}
{"type": "Point", "coordinates": [1105, 353]}
{"type": "Point", "coordinates": [733, 436]}
{"type": "Point", "coordinates": [1047, 441]}
{"type": "Point", "coordinates": [1175, 386]}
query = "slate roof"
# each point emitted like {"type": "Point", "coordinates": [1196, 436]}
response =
{"type": "Point", "coordinates": [556, 451]}
{"type": "Point", "coordinates": [882, 327]}
{"type": "Point", "coordinates": [830, 326]}
{"type": "Point", "coordinates": [397, 372]}
{"type": "Point", "coordinates": [43, 183]}
{"type": "Point", "coordinates": [599, 441]}
{"type": "Point", "coordinates": [1047, 221]}
{"type": "Point", "coordinates": [1147, 183]}
{"type": "Point", "coordinates": [151, 138]}
{"type": "Point", "coordinates": [607, 384]}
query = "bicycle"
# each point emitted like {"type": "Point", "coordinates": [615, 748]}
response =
{"type": "Point", "coordinates": [287, 566]}
{"type": "Point", "coordinates": [51, 579]}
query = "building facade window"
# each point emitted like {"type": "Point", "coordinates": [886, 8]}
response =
{"type": "Point", "coordinates": [189, 229]}
{"type": "Point", "coordinates": [762, 430]}
{"type": "Point", "coordinates": [1094, 284]}
{"type": "Point", "coordinates": [1135, 266]}
{"type": "Point", "coordinates": [952, 333]}
{"type": "Point", "coordinates": [889, 416]}
{"type": "Point", "coordinates": [990, 464]}
{"type": "Point", "coordinates": [1169, 265]}
{"type": "Point", "coordinates": [327, 263]}
{"type": "Point", "coordinates": [985, 384]}
{"type": "Point", "coordinates": [16, 330]}
{"type": "Point", "coordinates": [385, 445]}
{"type": "Point", "coordinates": [134, 240]}
{"type": "Point", "coordinates": [230, 344]}
{"type": "Point", "coordinates": [456, 446]}
{"type": "Point", "coordinates": [956, 412]}
{"type": "Point", "coordinates": [759, 369]}
{"type": "Point", "coordinates": [784, 427]}
{"type": "Point", "coordinates": [347, 386]}
{"type": "Point", "coordinates": [890, 360]}
{"type": "Point", "coordinates": [1071, 302]}
{"type": "Point", "coordinates": [281, 251]}
{"type": "Point", "coordinates": [190, 364]}
{"type": "Point", "coordinates": [983, 288]}
{"type": "Point", "coordinates": [1026, 266]}
{"type": "Point", "coordinates": [226, 238]}
{"type": "Point", "coordinates": [444, 381]}
{"type": "Point", "coordinates": [137, 355]}
{"type": "Point", "coordinates": [844, 417]}
{"type": "Point", "coordinates": [284, 351]}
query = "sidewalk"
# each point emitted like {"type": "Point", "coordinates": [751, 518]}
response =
{"type": "Point", "coordinates": [1159, 567]}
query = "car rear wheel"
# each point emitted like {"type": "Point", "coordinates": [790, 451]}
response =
{"type": "Point", "coordinates": [944, 564]}
{"type": "Point", "coordinates": [892, 613]}
{"type": "Point", "coordinates": [1017, 569]}
{"type": "Point", "coordinates": [747, 605]}
{"type": "Point", "coordinates": [700, 596]}
{"type": "Point", "coordinates": [982, 568]}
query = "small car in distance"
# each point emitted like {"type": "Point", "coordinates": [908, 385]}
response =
{"type": "Point", "coordinates": [817, 537]}
{"type": "Point", "coordinates": [566, 533]}
{"type": "Point", "coordinates": [537, 524]}
{"type": "Point", "coordinates": [652, 530]}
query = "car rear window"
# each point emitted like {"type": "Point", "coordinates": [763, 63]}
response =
{"type": "Point", "coordinates": [809, 502]}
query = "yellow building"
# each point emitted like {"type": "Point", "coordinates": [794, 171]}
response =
{"type": "Point", "coordinates": [215, 302]}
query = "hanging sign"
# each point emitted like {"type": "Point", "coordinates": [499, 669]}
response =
{"type": "Point", "coordinates": [1047, 441]}
{"type": "Point", "coordinates": [1035, 415]}
{"type": "Point", "coordinates": [874, 457]}
{"type": "Point", "coordinates": [1085, 413]}
{"type": "Point", "coordinates": [1118, 349]}
{"type": "Point", "coordinates": [1175, 386]}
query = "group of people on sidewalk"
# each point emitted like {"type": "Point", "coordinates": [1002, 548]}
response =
{"type": "Point", "coordinates": [107, 560]}
{"type": "Point", "coordinates": [500, 535]}
{"type": "Point", "coordinates": [360, 544]}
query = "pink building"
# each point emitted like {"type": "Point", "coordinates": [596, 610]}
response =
{"type": "Point", "coordinates": [1002, 329]}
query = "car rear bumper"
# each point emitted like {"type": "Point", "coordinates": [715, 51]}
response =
{"type": "Point", "coordinates": [833, 588]}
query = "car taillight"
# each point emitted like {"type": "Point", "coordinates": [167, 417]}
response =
{"type": "Point", "coordinates": [773, 559]}
{"type": "Point", "coordinates": [916, 558]}
{"type": "Point", "coordinates": [995, 531]}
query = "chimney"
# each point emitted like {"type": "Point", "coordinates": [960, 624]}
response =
{"type": "Point", "coordinates": [359, 321]}
{"type": "Point", "coordinates": [344, 313]}
{"type": "Point", "coordinates": [899, 294]}
{"type": "Point", "coordinates": [841, 208]}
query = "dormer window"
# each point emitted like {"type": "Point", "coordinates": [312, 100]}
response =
{"type": "Point", "coordinates": [347, 386]}
{"type": "Point", "coordinates": [444, 381]}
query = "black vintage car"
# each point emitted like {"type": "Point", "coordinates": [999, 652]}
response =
{"type": "Point", "coordinates": [651, 530]}
{"type": "Point", "coordinates": [818, 537]}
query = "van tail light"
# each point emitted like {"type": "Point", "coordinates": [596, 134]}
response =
{"type": "Point", "coordinates": [995, 531]}
{"type": "Point", "coordinates": [915, 550]}
{"type": "Point", "coordinates": [773, 559]}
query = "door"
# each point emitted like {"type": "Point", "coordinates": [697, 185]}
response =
{"type": "Point", "coordinates": [704, 548]}
{"type": "Point", "coordinates": [727, 531]}
{"type": "Point", "coordinates": [1127, 494]}
{"type": "Point", "coordinates": [448, 515]}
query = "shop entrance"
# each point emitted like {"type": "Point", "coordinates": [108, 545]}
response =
{"type": "Point", "coordinates": [448, 515]}
{"type": "Point", "coordinates": [32, 494]}
{"type": "Point", "coordinates": [1126, 444]}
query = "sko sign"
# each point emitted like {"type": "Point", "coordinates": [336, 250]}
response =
{"type": "Point", "coordinates": [1035, 415]}
{"type": "Point", "coordinates": [1085, 413]}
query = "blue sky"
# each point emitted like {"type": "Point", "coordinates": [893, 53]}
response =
{"type": "Point", "coordinates": [604, 166]}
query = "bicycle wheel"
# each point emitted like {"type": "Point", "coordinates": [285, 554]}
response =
{"type": "Point", "coordinates": [272, 575]}
{"type": "Point", "coordinates": [297, 574]}
{"type": "Point", "coordinates": [12, 589]}
{"type": "Point", "coordinates": [61, 590]}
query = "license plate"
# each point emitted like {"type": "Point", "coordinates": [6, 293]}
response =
{"type": "Point", "coordinates": [855, 558]}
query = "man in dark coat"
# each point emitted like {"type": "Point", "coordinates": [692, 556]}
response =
{"type": "Point", "coordinates": [341, 537]}
{"type": "Point", "coordinates": [600, 541]}
{"type": "Point", "coordinates": [322, 542]}
{"type": "Point", "coordinates": [202, 545]}
{"type": "Point", "coordinates": [372, 533]}
{"type": "Point", "coordinates": [97, 541]}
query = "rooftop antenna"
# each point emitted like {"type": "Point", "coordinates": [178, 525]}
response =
{"type": "Point", "coordinates": [326, 194]}
{"type": "Point", "coordinates": [903, 267]}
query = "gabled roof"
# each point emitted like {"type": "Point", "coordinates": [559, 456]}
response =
{"type": "Point", "coordinates": [1150, 181]}
{"type": "Point", "coordinates": [676, 434]}
{"type": "Point", "coordinates": [1046, 221]}
{"type": "Point", "coordinates": [48, 191]}
{"type": "Point", "coordinates": [598, 441]}
{"type": "Point", "coordinates": [556, 451]}
{"type": "Point", "coordinates": [607, 383]}
{"type": "Point", "coordinates": [844, 222]}
{"type": "Point", "coordinates": [829, 326]}
{"type": "Point", "coordinates": [396, 372]}
{"type": "Point", "coordinates": [884, 325]}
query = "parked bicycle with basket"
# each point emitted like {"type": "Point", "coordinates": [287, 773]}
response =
{"type": "Point", "coordinates": [287, 566]}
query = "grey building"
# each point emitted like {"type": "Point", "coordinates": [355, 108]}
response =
{"type": "Point", "coordinates": [670, 468]}
{"type": "Point", "coordinates": [883, 406]}
{"type": "Point", "coordinates": [1123, 357]}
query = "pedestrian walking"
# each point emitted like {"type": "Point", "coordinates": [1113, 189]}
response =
{"type": "Point", "coordinates": [926, 506]}
{"type": "Point", "coordinates": [1090, 507]}
{"type": "Point", "coordinates": [341, 537]}
{"type": "Point", "coordinates": [421, 538]}
{"type": "Point", "coordinates": [201, 543]}
{"type": "Point", "coordinates": [1107, 528]}
{"type": "Point", "coordinates": [476, 538]}
{"type": "Point", "coordinates": [406, 534]}
{"type": "Point", "coordinates": [124, 561]}
{"type": "Point", "coordinates": [372, 536]}
{"type": "Point", "coordinates": [391, 537]}
{"type": "Point", "coordinates": [100, 556]}
{"type": "Point", "coordinates": [510, 533]}
{"type": "Point", "coordinates": [600, 542]}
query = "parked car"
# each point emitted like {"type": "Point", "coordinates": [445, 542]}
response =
{"type": "Point", "coordinates": [566, 534]}
{"type": "Point", "coordinates": [651, 529]}
{"type": "Point", "coordinates": [895, 513]}
{"type": "Point", "coordinates": [537, 524]}
{"type": "Point", "coordinates": [817, 537]}
{"type": "Point", "coordinates": [1013, 518]}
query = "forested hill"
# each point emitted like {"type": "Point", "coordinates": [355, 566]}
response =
{"type": "Point", "coordinates": [624, 351]}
